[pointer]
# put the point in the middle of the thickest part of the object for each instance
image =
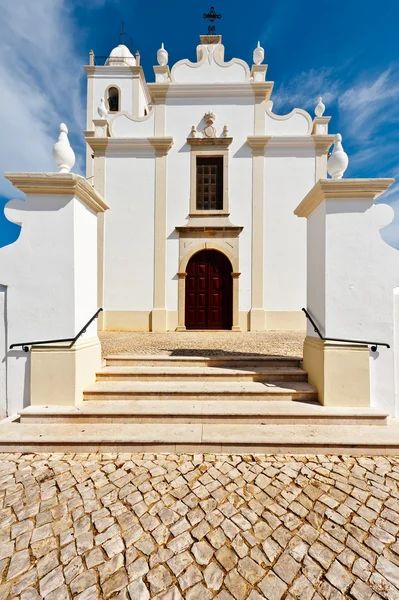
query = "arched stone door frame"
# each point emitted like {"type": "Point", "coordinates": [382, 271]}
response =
{"type": "Point", "coordinates": [184, 259]}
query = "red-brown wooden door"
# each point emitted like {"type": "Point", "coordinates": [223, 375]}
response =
{"type": "Point", "coordinates": [209, 291]}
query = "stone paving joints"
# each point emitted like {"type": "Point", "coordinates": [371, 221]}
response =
{"type": "Point", "coordinates": [167, 527]}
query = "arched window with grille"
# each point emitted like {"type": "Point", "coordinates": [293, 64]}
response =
{"type": "Point", "coordinates": [113, 99]}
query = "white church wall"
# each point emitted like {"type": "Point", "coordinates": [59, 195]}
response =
{"type": "Point", "coordinates": [287, 180]}
{"type": "Point", "coordinates": [50, 273]}
{"type": "Point", "coordinates": [362, 274]}
{"type": "Point", "coordinates": [240, 192]}
{"type": "Point", "coordinates": [85, 276]}
{"type": "Point", "coordinates": [129, 234]}
{"type": "Point", "coordinates": [297, 122]}
{"type": "Point", "coordinates": [316, 239]}
{"type": "Point", "coordinates": [352, 279]}
{"type": "Point", "coordinates": [125, 126]}
{"type": "Point", "coordinates": [396, 345]}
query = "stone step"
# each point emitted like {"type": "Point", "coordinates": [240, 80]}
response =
{"type": "Point", "coordinates": [193, 390]}
{"type": "Point", "coordinates": [183, 373]}
{"type": "Point", "coordinates": [240, 361]}
{"type": "Point", "coordinates": [206, 437]}
{"type": "Point", "coordinates": [203, 411]}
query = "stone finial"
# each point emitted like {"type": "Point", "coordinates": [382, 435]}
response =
{"type": "Point", "coordinates": [193, 132]}
{"type": "Point", "coordinates": [258, 54]}
{"type": "Point", "coordinates": [102, 109]}
{"type": "Point", "coordinates": [320, 108]}
{"type": "Point", "coordinates": [63, 154]}
{"type": "Point", "coordinates": [225, 132]}
{"type": "Point", "coordinates": [338, 161]}
{"type": "Point", "coordinates": [137, 55]}
{"type": "Point", "coordinates": [162, 56]}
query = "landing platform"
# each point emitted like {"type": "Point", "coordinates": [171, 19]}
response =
{"type": "Point", "coordinates": [204, 343]}
{"type": "Point", "coordinates": [201, 437]}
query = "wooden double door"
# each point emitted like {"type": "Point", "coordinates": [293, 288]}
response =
{"type": "Point", "coordinates": [209, 291]}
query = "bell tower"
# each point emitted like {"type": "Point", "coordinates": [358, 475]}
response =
{"type": "Point", "coordinates": [115, 84]}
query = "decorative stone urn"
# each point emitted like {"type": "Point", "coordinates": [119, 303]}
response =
{"type": "Point", "coordinates": [63, 154]}
{"type": "Point", "coordinates": [258, 54]}
{"type": "Point", "coordinates": [338, 161]}
{"type": "Point", "coordinates": [102, 109]}
{"type": "Point", "coordinates": [320, 108]}
{"type": "Point", "coordinates": [162, 56]}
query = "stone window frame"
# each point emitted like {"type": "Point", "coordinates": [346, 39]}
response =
{"type": "Point", "coordinates": [207, 148]}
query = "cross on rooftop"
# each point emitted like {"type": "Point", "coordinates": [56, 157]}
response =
{"type": "Point", "coordinates": [212, 16]}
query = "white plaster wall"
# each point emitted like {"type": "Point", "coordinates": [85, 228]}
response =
{"type": "Point", "coordinates": [396, 345]}
{"type": "Point", "coordinates": [288, 178]}
{"type": "Point", "coordinates": [122, 126]}
{"type": "Point", "coordinates": [39, 271]}
{"type": "Point", "coordinates": [209, 72]}
{"type": "Point", "coordinates": [3, 351]}
{"type": "Point", "coordinates": [124, 83]}
{"type": "Point", "coordinates": [142, 101]}
{"type": "Point", "coordinates": [85, 272]}
{"type": "Point", "coordinates": [297, 122]}
{"type": "Point", "coordinates": [361, 275]}
{"type": "Point", "coordinates": [129, 232]}
{"type": "Point", "coordinates": [316, 258]}
{"type": "Point", "coordinates": [239, 117]}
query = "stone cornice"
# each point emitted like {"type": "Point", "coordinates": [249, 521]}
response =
{"type": "Point", "coordinates": [160, 144]}
{"type": "Point", "coordinates": [341, 188]}
{"type": "Point", "coordinates": [203, 142]}
{"type": "Point", "coordinates": [321, 143]}
{"type": "Point", "coordinates": [203, 90]}
{"type": "Point", "coordinates": [209, 228]}
{"type": "Point", "coordinates": [59, 184]}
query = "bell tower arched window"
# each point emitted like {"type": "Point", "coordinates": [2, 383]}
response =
{"type": "Point", "coordinates": [113, 99]}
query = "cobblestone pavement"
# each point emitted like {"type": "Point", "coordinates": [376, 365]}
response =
{"type": "Point", "coordinates": [209, 343]}
{"type": "Point", "coordinates": [166, 527]}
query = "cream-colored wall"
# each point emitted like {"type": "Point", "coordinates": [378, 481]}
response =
{"type": "Point", "coordinates": [339, 372]}
{"type": "Point", "coordinates": [59, 376]}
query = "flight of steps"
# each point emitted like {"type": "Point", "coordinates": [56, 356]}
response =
{"type": "Point", "coordinates": [201, 404]}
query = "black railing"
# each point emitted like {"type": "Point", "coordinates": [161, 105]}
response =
{"type": "Point", "coordinates": [25, 345]}
{"type": "Point", "coordinates": [373, 345]}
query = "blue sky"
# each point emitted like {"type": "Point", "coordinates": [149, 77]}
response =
{"type": "Point", "coordinates": [344, 50]}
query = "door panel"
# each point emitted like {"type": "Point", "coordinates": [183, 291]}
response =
{"type": "Point", "coordinates": [209, 289]}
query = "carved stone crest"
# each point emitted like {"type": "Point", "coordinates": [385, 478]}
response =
{"type": "Point", "coordinates": [209, 130]}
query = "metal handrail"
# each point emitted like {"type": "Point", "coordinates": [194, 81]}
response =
{"type": "Point", "coordinates": [373, 345]}
{"type": "Point", "coordinates": [25, 345]}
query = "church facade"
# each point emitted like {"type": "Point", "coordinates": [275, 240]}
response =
{"type": "Point", "coordinates": [202, 179]}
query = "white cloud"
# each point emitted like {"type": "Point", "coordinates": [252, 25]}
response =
{"type": "Point", "coordinates": [303, 90]}
{"type": "Point", "coordinates": [370, 103]}
{"type": "Point", "coordinates": [40, 75]}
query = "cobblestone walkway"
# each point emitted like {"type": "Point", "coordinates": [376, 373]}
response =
{"type": "Point", "coordinates": [209, 343]}
{"type": "Point", "coordinates": [166, 527]}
